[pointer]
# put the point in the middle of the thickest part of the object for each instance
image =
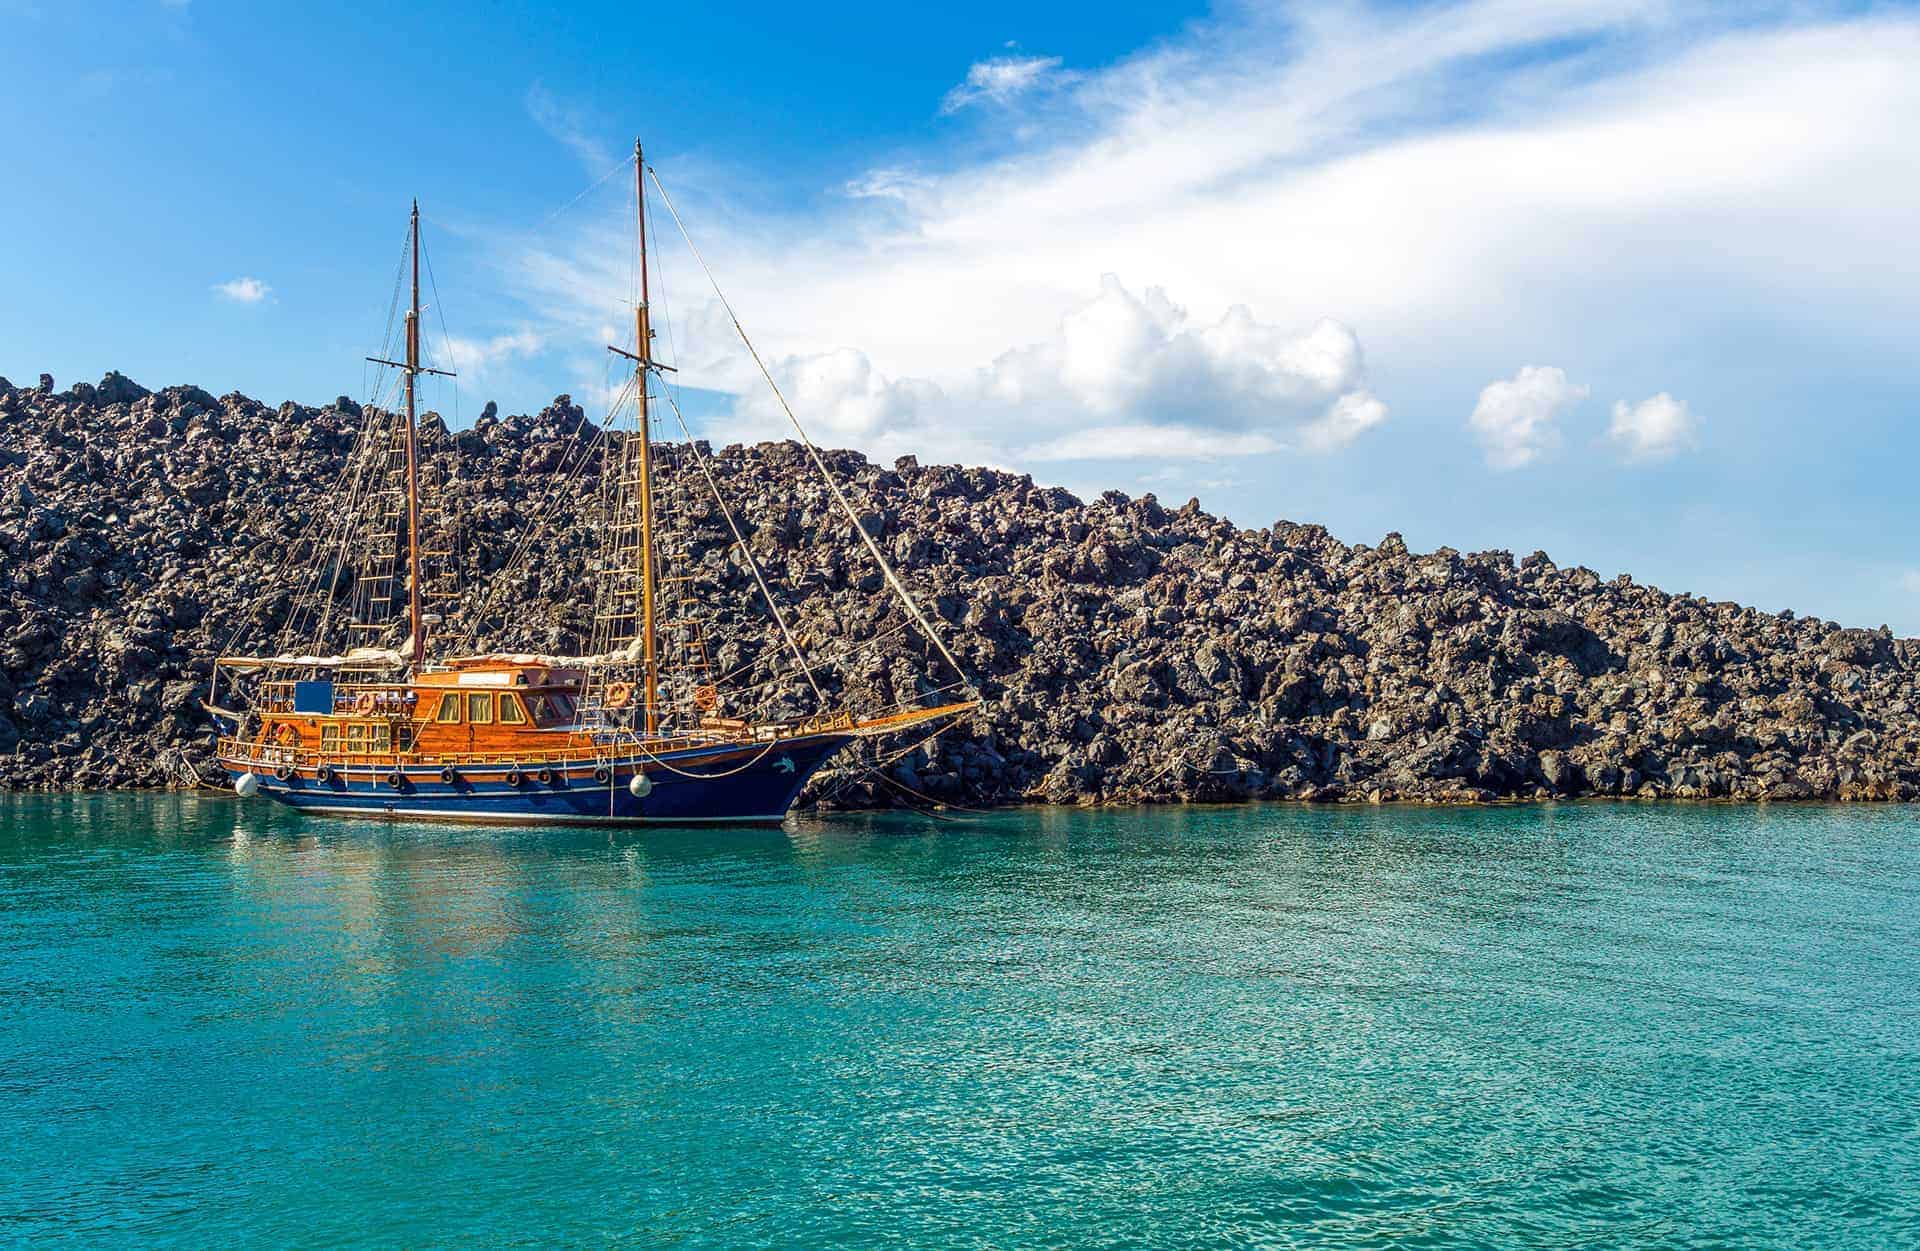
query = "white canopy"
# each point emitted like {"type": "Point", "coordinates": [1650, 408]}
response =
{"type": "Point", "coordinates": [389, 658]}
{"type": "Point", "coordinates": [358, 658]}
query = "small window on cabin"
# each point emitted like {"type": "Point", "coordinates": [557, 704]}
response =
{"type": "Point", "coordinates": [510, 712]}
{"type": "Point", "coordinates": [449, 709]}
{"type": "Point", "coordinates": [356, 736]}
{"type": "Point", "coordinates": [479, 707]}
{"type": "Point", "coordinates": [381, 738]}
{"type": "Point", "coordinates": [563, 707]}
{"type": "Point", "coordinates": [329, 738]}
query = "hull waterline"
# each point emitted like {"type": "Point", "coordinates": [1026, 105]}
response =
{"type": "Point", "coordinates": [730, 786]}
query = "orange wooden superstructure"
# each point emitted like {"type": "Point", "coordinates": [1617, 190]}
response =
{"type": "Point", "coordinates": [498, 715]}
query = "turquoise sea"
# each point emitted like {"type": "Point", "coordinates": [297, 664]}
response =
{"type": "Point", "coordinates": [1560, 1026]}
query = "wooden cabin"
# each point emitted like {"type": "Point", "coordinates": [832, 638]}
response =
{"type": "Point", "coordinates": [468, 712]}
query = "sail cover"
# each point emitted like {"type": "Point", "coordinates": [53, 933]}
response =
{"type": "Point", "coordinates": [358, 658]}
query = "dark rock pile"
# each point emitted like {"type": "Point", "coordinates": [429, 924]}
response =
{"type": "Point", "coordinates": [1126, 651]}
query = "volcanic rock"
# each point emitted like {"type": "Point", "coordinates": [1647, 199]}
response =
{"type": "Point", "coordinates": [1125, 652]}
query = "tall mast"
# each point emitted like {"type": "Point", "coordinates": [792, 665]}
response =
{"type": "Point", "coordinates": [413, 457]}
{"type": "Point", "coordinates": [643, 349]}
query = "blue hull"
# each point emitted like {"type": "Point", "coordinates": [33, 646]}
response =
{"type": "Point", "coordinates": [733, 786]}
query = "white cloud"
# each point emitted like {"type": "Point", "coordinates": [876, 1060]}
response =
{"type": "Point", "coordinates": [1653, 429]}
{"type": "Point", "coordinates": [1603, 177]}
{"type": "Point", "coordinates": [998, 80]}
{"type": "Point", "coordinates": [568, 126]}
{"type": "Point", "coordinates": [1143, 442]}
{"type": "Point", "coordinates": [472, 358]}
{"type": "Point", "coordinates": [1122, 376]}
{"type": "Point", "coordinates": [243, 290]}
{"type": "Point", "coordinates": [1514, 418]}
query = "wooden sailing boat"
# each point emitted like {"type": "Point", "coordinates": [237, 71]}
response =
{"type": "Point", "coordinates": [504, 736]}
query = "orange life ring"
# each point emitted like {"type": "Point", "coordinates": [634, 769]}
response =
{"type": "Point", "coordinates": [706, 698]}
{"type": "Point", "coordinates": [364, 703]}
{"type": "Point", "coordinates": [619, 694]}
{"type": "Point", "coordinates": [286, 733]}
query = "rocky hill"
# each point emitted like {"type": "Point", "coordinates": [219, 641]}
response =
{"type": "Point", "coordinates": [1127, 651]}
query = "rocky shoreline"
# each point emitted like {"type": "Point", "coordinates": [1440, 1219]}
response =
{"type": "Point", "coordinates": [1128, 652]}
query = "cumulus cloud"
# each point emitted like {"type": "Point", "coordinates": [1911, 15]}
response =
{"type": "Point", "coordinates": [1514, 419]}
{"type": "Point", "coordinates": [1294, 160]}
{"type": "Point", "coordinates": [998, 80]}
{"type": "Point", "coordinates": [243, 290]}
{"type": "Point", "coordinates": [1654, 429]}
{"type": "Point", "coordinates": [1122, 376]}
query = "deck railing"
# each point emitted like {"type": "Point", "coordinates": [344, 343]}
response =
{"type": "Point", "coordinates": [271, 755]}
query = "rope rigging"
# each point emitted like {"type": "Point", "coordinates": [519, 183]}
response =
{"type": "Point", "coordinates": [886, 566]}
{"type": "Point", "coordinates": [356, 580]}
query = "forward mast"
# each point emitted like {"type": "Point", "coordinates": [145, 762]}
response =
{"type": "Point", "coordinates": [410, 370]}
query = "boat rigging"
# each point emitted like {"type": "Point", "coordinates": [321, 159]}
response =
{"type": "Point", "coordinates": [344, 717]}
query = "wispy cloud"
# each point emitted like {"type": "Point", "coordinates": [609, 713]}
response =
{"type": "Point", "coordinates": [473, 358]}
{"type": "Point", "coordinates": [1436, 182]}
{"type": "Point", "coordinates": [243, 290]}
{"type": "Point", "coordinates": [569, 126]}
{"type": "Point", "coordinates": [998, 80]}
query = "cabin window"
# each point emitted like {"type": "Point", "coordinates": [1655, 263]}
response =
{"type": "Point", "coordinates": [329, 738]}
{"type": "Point", "coordinates": [449, 709]}
{"type": "Point", "coordinates": [479, 707]}
{"type": "Point", "coordinates": [510, 711]}
{"type": "Point", "coordinates": [380, 737]}
{"type": "Point", "coordinates": [357, 737]}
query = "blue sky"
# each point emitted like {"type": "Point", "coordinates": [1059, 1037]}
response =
{"type": "Point", "coordinates": [1631, 282]}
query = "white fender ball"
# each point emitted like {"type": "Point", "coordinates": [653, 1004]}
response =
{"type": "Point", "coordinates": [247, 786]}
{"type": "Point", "coordinates": [640, 786]}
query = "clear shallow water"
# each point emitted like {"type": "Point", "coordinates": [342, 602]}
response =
{"type": "Point", "coordinates": [1563, 1026]}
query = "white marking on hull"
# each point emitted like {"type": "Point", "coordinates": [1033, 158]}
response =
{"type": "Point", "coordinates": [525, 818]}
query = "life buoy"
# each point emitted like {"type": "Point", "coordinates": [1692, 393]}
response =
{"type": "Point", "coordinates": [706, 698]}
{"type": "Point", "coordinates": [545, 775]}
{"type": "Point", "coordinates": [619, 694]}
{"type": "Point", "coordinates": [363, 703]}
{"type": "Point", "coordinates": [286, 733]}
